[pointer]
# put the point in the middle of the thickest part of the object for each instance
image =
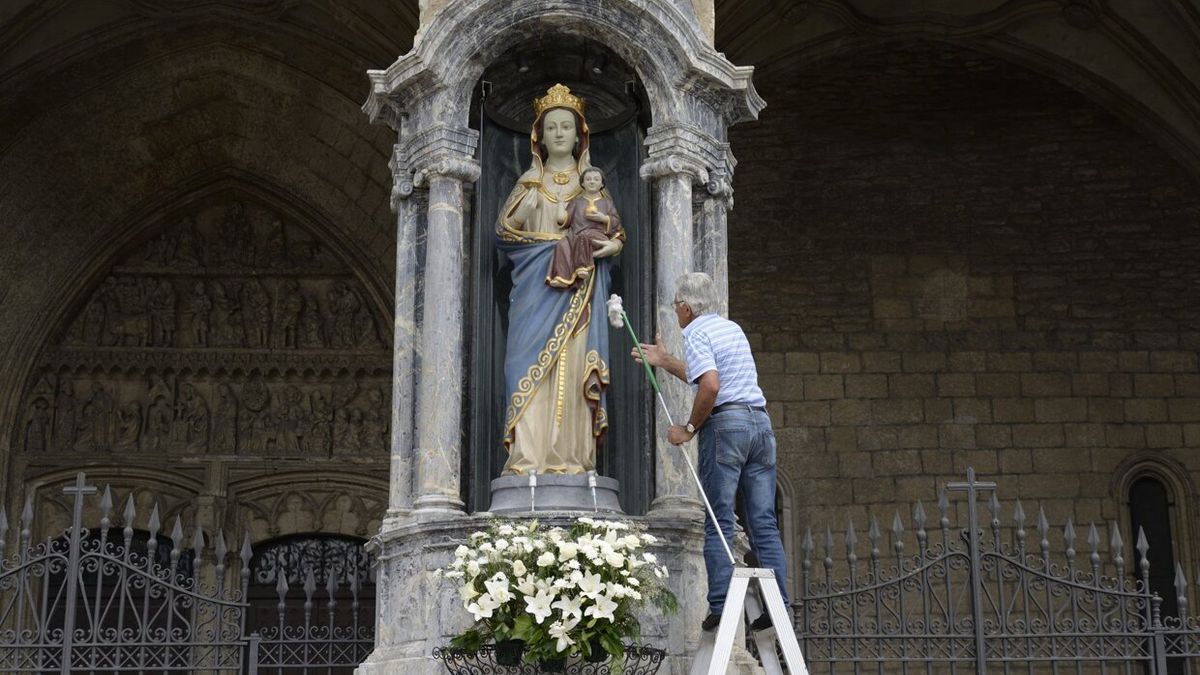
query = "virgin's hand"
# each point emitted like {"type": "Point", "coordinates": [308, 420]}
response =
{"type": "Point", "coordinates": [608, 248]}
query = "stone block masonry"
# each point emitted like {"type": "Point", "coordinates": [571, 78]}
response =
{"type": "Point", "coordinates": [957, 262]}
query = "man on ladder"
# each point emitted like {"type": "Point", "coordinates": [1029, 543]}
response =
{"type": "Point", "coordinates": [737, 451]}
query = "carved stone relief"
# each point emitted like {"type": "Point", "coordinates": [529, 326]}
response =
{"type": "Point", "coordinates": [296, 512]}
{"type": "Point", "coordinates": [230, 332]}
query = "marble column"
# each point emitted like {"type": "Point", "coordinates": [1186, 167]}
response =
{"type": "Point", "coordinates": [712, 205]}
{"type": "Point", "coordinates": [674, 486]}
{"type": "Point", "coordinates": [409, 205]}
{"type": "Point", "coordinates": [439, 424]}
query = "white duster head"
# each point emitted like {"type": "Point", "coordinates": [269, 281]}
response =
{"type": "Point", "coordinates": [616, 307]}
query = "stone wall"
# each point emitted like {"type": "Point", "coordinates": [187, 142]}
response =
{"type": "Point", "coordinates": [945, 261]}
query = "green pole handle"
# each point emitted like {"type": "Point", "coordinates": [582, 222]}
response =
{"type": "Point", "coordinates": [638, 345]}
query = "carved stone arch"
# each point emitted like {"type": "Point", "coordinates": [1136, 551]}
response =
{"type": "Point", "coordinates": [1103, 92]}
{"type": "Point", "coordinates": [661, 42]}
{"type": "Point", "coordinates": [1181, 491]}
{"type": "Point", "coordinates": [786, 512]}
{"type": "Point", "coordinates": [227, 289]}
{"type": "Point", "coordinates": [172, 492]}
{"type": "Point", "coordinates": [274, 505]}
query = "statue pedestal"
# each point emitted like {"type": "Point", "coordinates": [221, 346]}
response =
{"type": "Point", "coordinates": [418, 611]}
{"type": "Point", "coordinates": [554, 492]}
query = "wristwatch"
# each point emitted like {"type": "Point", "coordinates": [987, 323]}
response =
{"type": "Point", "coordinates": [691, 428]}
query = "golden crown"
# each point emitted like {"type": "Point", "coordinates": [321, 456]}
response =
{"type": "Point", "coordinates": [558, 96]}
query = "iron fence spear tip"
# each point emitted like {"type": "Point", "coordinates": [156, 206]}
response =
{"type": "Point", "coordinates": [897, 524]}
{"type": "Point", "coordinates": [3, 521]}
{"type": "Point", "coordinates": [155, 523]}
{"type": "Point", "coordinates": [130, 510]}
{"type": "Point", "coordinates": [106, 502]}
{"type": "Point", "coordinates": [177, 532]}
{"type": "Point", "coordinates": [198, 540]}
{"type": "Point", "coordinates": [27, 513]}
{"type": "Point", "coordinates": [221, 546]}
{"type": "Point", "coordinates": [1116, 542]}
{"type": "Point", "coordinates": [1142, 545]}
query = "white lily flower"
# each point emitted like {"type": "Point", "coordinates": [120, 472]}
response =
{"type": "Point", "coordinates": [461, 552]}
{"type": "Point", "coordinates": [519, 569]}
{"type": "Point", "coordinates": [505, 530]}
{"type": "Point", "coordinates": [473, 568]}
{"type": "Point", "coordinates": [526, 586]}
{"type": "Point", "coordinates": [560, 631]}
{"type": "Point", "coordinates": [467, 592]}
{"type": "Point", "coordinates": [602, 609]}
{"type": "Point", "coordinates": [497, 587]}
{"type": "Point", "coordinates": [539, 605]}
{"type": "Point", "coordinates": [483, 608]}
{"type": "Point", "coordinates": [591, 585]}
{"type": "Point", "coordinates": [649, 557]}
{"type": "Point", "coordinates": [570, 607]}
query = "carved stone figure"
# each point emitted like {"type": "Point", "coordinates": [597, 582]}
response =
{"type": "Point", "coordinates": [65, 413]}
{"type": "Point", "coordinates": [295, 516]}
{"type": "Point", "coordinates": [376, 422]}
{"type": "Point", "coordinates": [129, 427]}
{"type": "Point", "coordinates": [275, 253]}
{"type": "Point", "coordinates": [345, 305]}
{"type": "Point", "coordinates": [256, 426]}
{"type": "Point", "coordinates": [256, 314]}
{"type": "Point", "coordinates": [37, 426]}
{"type": "Point", "coordinates": [227, 325]}
{"type": "Point", "coordinates": [319, 439]}
{"type": "Point", "coordinates": [93, 323]}
{"type": "Point", "coordinates": [225, 420]}
{"type": "Point", "coordinates": [553, 427]}
{"type": "Point", "coordinates": [187, 254]}
{"type": "Point", "coordinates": [341, 517]}
{"type": "Point", "coordinates": [125, 307]}
{"type": "Point", "coordinates": [162, 315]}
{"type": "Point", "coordinates": [236, 236]}
{"type": "Point", "coordinates": [94, 429]}
{"type": "Point", "coordinates": [158, 426]}
{"type": "Point", "coordinates": [287, 315]}
{"type": "Point", "coordinates": [311, 336]}
{"type": "Point", "coordinates": [193, 413]}
{"type": "Point", "coordinates": [197, 309]}
{"type": "Point", "coordinates": [295, 421]}
{"type": "Point", "coordinates": [345, 438]}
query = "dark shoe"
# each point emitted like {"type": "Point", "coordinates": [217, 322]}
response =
{"type": "Point", "coordinates": [711, 622]}
{"type": "Point", "coordinates": [761, 623]}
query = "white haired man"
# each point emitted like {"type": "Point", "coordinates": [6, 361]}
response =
{"type": "Point", "coordinates": [737, 443]}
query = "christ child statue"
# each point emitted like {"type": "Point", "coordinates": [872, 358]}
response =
{"type": "Point", "coordinates": [590, 220]}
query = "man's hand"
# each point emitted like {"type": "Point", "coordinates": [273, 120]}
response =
{"type": "Point", "coordinates": [656, 353]}
{"type": "Point", "coordinates": [678, 435]}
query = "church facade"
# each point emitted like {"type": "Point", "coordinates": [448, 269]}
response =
{"type": "Point", "coordinates": [962, 237]}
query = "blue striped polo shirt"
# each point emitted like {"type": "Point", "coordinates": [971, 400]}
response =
{"type": "Point", "coordinates": [711, 342]}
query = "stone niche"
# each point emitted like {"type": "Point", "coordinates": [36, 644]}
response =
{"type": "Point", "coordinates": [660, 79]}
{"type": "Point", "coordinates": [229, 331]}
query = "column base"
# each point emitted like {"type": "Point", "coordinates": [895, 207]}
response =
{"type": "Point", "coordinates": [676, 506]}
{"type": "Point", "coordinates": [438, 504]}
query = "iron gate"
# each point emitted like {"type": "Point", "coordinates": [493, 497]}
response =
{"type": "Point", "coordinates": [985, 597]}
{"type": "Point", "coordinates": [112, 600]}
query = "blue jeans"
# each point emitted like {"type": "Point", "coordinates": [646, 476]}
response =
{"type": "Point", "coordinates": [737, 450]}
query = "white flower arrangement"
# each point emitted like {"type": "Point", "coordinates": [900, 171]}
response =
{"type": "Point", "coordinates": [561, 592]}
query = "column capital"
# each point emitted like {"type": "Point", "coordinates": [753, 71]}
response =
{"type": "Point", "coordinates": [464, 168]}
{"type": "Point", "coordinates": [402, 177]}
{"type": "Point", "coordinates": [674, 164]}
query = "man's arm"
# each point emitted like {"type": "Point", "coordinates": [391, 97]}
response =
{"type": "Point", "coordinates": [659, 357]}
{"type": "Point", "coordinates": [706, 395]}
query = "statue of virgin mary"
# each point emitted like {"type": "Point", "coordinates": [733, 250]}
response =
{"type": "Point", "coordinates": [556, 365]}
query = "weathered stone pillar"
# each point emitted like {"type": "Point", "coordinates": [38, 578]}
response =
{"type": "Point", "coordinates": [711, 213]}
{"type": "Point", "coordinates": [409, 204]}
{"type": "Point", "coordinates": [439, 424]}
{"type": "Point", "coordinates": [673, 176]}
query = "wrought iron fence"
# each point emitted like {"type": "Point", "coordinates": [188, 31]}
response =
{"type": "Point", "coordinates": [985, 597]}
{"type": "Point", "coordinates": [123, 599]}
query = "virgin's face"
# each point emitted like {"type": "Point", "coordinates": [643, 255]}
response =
{"type": "Point", "coordinates": [559, 132]}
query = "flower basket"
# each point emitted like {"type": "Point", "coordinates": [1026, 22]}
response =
{"type": "Point", "coordinates": [637, 660]}
{"type": "Point", "coordinates": [567, 598]}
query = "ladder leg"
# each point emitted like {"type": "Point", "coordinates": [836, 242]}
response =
{"type": "Point", "coordinates": [784, 630]}
{"type": "Point", "coordinates": [730, 617]}
{"type": "Point", "coordinates": [764, 640]}
{"type": "Point", "coordinates": [704, 653]}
